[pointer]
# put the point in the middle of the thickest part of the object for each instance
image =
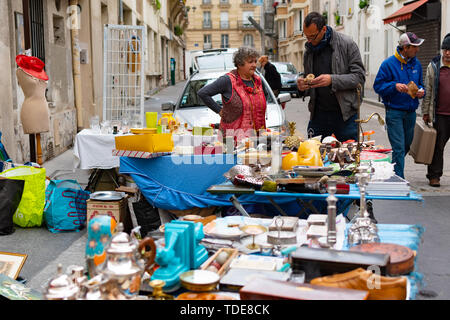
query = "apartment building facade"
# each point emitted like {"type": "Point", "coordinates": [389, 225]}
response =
{"type": "Point", "coordinates": [68, 36]}
{"type": "Point", "coordinates": [223, 24]}
{"type": "Point", "coordinates": [375, 25]}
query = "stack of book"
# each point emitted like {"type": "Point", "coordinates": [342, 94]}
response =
{"type": "Point", "coordinates": [394, 186]}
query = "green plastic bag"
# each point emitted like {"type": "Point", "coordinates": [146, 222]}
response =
{"type": "Point", "coordinates": [30, 211]}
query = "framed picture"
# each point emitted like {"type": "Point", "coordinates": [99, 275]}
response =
{"type": "Point", "coordinates": [11, 263]}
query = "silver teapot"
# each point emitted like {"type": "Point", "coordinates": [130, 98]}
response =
{"type": "Point", "coordinates": [61, 287]}
{"type": "Point", "coordinates": [127, 259]}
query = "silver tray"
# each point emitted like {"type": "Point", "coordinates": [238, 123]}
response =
{"type": "Point", "coordinates": [107, 196]}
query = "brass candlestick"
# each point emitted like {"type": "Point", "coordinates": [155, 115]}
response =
{"type": "Point", "coordinates": [359, 121]}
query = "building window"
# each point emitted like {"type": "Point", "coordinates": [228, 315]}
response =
{"type": "Point", "coordinates": [298, 22]}
{"type": "Point", "coordinates": [207, 43]}
{"type": "Point", "coordinates": [224, 41]}
{"type": "Point", "coordinates": [207, 19]}
{"type": "Point", "coordinates": [282, 29]}
{"type": "Point", "coordinates": [245, 16]}
{"type": "Point", "coordinates": [248, 41]}
{"type": "Point", "coordinates": [388, 46]}
{"type": "Point", "coordinates": [367, 53]}
{"type": "Point", "coordinates": [224, 24]}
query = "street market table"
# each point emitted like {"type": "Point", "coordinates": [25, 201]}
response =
{"type": "Point", "coordinates": [181, 182]}
{"type": "Point", "coordinates": [94, 151]}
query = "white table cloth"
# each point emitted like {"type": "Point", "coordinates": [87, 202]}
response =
{"type": "Point", "coordinates": [94, 150]}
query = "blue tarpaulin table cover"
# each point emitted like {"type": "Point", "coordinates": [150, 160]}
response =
{"type": "Point", "coordinates": [180, 182]}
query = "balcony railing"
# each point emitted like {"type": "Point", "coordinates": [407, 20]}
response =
{"type": "Point", "coordinates": [224, 24]}
{"type": "Point", "coordinates": [246, 24]}
{"type": "Point", "coordinates": [206, 1]}
{"type": "Point", "coordinates": [207, 24]}
{"type": "Point", "coordinates": [207, 45]}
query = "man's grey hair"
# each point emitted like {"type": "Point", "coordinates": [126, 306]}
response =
{"type": "Point", "coordinates": [243, 54]}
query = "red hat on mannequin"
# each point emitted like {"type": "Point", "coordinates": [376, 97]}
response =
{"type": "Point", "coordinates": [32, 65]}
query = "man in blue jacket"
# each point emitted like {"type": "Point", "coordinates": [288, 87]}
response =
{"type": "Point", "coordinates": [391, 83]}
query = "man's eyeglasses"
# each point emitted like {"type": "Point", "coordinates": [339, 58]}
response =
{"type": "Point", "coordinates": [310, 38]}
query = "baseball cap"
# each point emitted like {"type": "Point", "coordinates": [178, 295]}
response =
{"type": "Point", "coordinates": [411, 39]}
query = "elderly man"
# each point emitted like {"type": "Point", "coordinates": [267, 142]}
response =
{"type": "Point", "coordinates": [399, 83]}
{"type": "Point", "coordinates": [436, 108]}
{"type": "Point", "coordinates": [335, 61]}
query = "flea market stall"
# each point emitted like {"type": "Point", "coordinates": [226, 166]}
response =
{"type": "Point", "coordinates": [271, 217]}
{"type": "Point", "coordinates": [261, 219]}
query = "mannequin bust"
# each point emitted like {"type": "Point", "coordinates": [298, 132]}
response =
{"type": "Point", "coordinates": [34, 114]}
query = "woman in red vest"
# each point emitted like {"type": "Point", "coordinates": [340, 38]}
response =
{"type": "Point", "coordinates": [243, 110]}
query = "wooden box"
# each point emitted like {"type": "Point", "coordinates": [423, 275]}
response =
{"type": "Point", "coordinates": [118, 210]}
{"type": "Point", "coordinates": [232, 253]}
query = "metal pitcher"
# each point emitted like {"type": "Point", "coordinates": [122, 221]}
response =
{"type": "Point", "coordinates": [126, 261]}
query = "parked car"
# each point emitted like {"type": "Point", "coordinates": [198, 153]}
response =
{"type": "Point", "coordinates": [289, 77]}
{"type": "Point", "coordinates": [190, 109]}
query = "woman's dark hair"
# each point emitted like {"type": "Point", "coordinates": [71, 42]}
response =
{"type": "Point", "coordinates": [316, 18]}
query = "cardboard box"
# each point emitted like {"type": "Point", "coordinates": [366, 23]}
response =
{"type": "Point", "coordinates": [161, 142]}
{"type": "Point", "coordinates": [115, 209]}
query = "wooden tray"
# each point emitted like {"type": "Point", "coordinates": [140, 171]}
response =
{"type": "Point", "coordinates": [401, 257]}
{"type": "Point", "coordinates": [232, 253]}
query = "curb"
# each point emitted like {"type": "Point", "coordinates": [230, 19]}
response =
{"type": "Point", "coordinates": [373, 102]}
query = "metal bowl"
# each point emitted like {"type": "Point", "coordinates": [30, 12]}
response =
{"type": "Point", "coordinates": [199, 280]}
{"type": "Point", "coordinates": [107, 195]}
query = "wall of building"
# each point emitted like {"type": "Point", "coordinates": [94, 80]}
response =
{"type": "Point", "coordinates": [235, 8]}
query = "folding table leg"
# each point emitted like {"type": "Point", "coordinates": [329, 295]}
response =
{"type": "Point", "coordinates": [307, 205]}
{"type": "Point", "coordinates": [238, 206]}
{"type": "Point", "coordinates": [277, 206]}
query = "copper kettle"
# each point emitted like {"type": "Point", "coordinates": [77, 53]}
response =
{"type": "Point", "coordinates": [127, 259]}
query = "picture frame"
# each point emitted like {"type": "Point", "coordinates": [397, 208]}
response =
{"type": "Point", "coordinates": [11, 263]}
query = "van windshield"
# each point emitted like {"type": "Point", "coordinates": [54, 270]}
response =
{"type": "Point", "coordinates": [215, 61]}
{"type": "Point", "coordinates": [190, 98]}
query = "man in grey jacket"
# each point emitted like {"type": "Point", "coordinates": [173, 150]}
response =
{"type": "Point", "coordinates": [436, 108]}
{"type": "Point", "coordinates": [335, 61]}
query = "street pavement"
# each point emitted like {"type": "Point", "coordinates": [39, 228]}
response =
{"type": "Point", "coordinates": [46, 250]}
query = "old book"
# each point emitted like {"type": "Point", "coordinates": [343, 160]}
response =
{"type": "Point", "coordinates": [268, 289]}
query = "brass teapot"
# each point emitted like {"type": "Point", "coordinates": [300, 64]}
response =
{"type": "Point", "coordinates": [127, 259]}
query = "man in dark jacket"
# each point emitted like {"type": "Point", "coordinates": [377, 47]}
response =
{"type": "Point", "coordinates": [270, 73]}
{"type": "Point", "coordinates": [391, 83]}
{"type": "Point", "coordinates": [335, 61]}
{"type": "Point", "coordinates": [436, 108]}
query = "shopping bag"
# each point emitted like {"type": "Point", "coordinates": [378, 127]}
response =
{"type": "Point", "coordinates": [30, 211]}
{"type": "Point", "coordinates": [65, 206]}
{"type": "Point", "coordinates": [10, 196]}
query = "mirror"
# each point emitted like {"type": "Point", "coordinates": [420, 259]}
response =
{"type": "Point", "coordinates": [168, 106]}
{"type": "Point", "coordinates": [284, 97]}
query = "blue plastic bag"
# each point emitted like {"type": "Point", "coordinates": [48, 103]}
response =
{"type": "Point", "coordinates": [65, 206]}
